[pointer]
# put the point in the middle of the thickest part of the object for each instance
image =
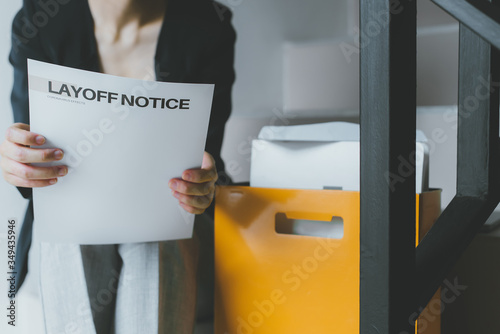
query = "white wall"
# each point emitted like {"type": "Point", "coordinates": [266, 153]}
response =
{"type": "Point", "coordinates": [262, 27]}
{"type": "Point", "coordinates": [265, 27]}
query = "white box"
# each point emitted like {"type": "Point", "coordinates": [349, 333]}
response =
{"type": "Point", "coordinates": [320, 156]}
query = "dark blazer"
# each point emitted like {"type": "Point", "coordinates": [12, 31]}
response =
{"type": "Point", "coordinates": [196, 45]}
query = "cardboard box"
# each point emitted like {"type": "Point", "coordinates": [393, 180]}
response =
{"type": "Point", "coordinates": [269, 282]}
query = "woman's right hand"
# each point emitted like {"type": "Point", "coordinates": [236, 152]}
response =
{"type": "Point", "coordinates": [16, 157]}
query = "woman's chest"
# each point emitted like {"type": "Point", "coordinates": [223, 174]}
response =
{"type": "Point", "coordinates": [132, 54]}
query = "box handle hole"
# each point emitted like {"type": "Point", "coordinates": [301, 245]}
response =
{"type": "Point", "coordinates": [333, 229]}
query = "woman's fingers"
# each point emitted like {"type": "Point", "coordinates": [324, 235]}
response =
{"type": "Point", "coordinates": [17, 158]}
{"type": "Point", "coordinates": [198, 202]}
{"type": "Point", "coordinates": [20, 182]}
{"type": "Point", "coordinates": [195, 190]}
{"type": "Point", "coordinates": [190, 188]}
{"type": "Point", "coordinates": [19, 133]}
{"type": "Point", "coordinates": [200, 175]}
{"type": "Point", "coordinates": [24, 154]}
{"type": "Point", "coordinates": [193, 197]}
{"type": "Point", "coordinates": [191, 209]}
{"type": "Point", "coordinates": [29, 172]}
{"type": "Point", "coordinates": [207, 172]}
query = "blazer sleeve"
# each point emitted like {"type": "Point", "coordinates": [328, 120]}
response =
{"type": "Point", "coordinates": [25, 44]}
{"type": "Point", "coordinates": [219, 69]}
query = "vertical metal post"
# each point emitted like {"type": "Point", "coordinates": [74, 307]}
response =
{"type": "Point", "coordinates": [477, 115]}
{"type": "Point", "coordinates": [388, 103]}
{"type": "Point", "coordinates": [477, 164]}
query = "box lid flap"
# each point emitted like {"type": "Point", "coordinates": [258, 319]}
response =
{"type": "Point", "coordinates": [321, 132]}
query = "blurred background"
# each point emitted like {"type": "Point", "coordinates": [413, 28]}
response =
{"type": "Point", "coordinates": [296, 63]}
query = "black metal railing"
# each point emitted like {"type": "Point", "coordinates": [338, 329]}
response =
{"type": "Point", "coordinates": [477, 156]}
{"type": "Point", "coordinates": [396, 280]}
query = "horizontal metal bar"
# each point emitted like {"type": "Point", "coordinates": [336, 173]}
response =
{"type": "Point", "coordinates": [479, 22]}
{"type": "Point", "coordinates": [488, 8]}
{"type": "Point", "coordinates": [444, 243]}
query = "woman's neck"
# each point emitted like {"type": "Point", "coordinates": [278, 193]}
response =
{"type": "Point", "coordinates": [118, 16]}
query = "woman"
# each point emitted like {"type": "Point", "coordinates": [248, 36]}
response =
{"type": "Point", "coordinates": [129, 288]}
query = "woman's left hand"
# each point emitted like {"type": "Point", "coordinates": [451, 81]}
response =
{"type": "Point", "coordinates": [195, 190]}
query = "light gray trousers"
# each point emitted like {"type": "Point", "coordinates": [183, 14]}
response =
{"type": "Point", "coordinates": [128, 288]}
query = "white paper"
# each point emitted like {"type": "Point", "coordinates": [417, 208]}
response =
{"type": "Point", "coordinates": [120, 157]}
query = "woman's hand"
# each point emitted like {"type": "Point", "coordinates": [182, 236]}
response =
{"type": "Point", "coordinates": [195, 190]}
{"type": "Point", "coordinates": [16, 157]}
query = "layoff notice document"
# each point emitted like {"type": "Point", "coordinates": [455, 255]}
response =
{"type": "Point", "coordinates": [123, 140]}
